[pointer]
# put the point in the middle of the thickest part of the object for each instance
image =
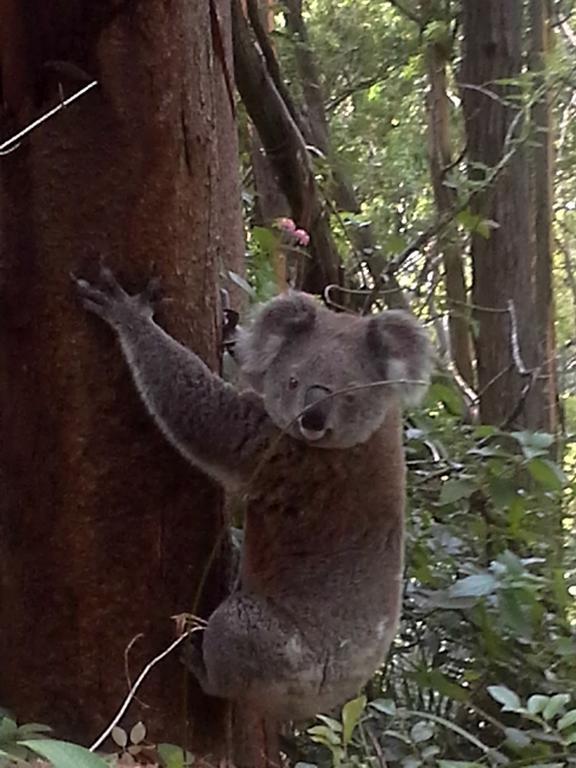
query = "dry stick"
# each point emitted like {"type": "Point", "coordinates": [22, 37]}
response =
{"type": "Point", "coordinates": [141, 677]}
{"type": "Point", "coordinates": [14, 141]}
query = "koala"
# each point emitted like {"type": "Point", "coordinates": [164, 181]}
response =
{"type": "Point", "coordinates": [314, 445]}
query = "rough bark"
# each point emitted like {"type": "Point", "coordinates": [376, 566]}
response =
{"type": "Point", "coordinates": [105, 532]}
{"type": "Point", "coordinates": [502, 264]}
{"type": "Point", "coordinates": [440, 158]}
{"type": "Point", "coordinates": [286, 148]}
{"type": "Point", "coordinates": [542, 188]}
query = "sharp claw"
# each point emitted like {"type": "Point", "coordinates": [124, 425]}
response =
{"type": "Point", "coordinates": [152, 290]}
{"type": "Point", "coordinates": [107, 277]}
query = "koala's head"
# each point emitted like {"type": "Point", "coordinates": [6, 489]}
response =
{"type": "Point", "coordinates": [299, 356]}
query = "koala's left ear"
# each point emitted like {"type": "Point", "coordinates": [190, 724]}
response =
{"type": "Point", "coordinates": [283, 318]}
{"type": "Point", "coordinates": [400, 350]}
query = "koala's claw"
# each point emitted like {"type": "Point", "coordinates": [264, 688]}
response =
{"type": "Point", "coordinates": [107, 299]}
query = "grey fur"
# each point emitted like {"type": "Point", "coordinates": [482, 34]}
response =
{"type": "Point", "coordinates": [321, 572]}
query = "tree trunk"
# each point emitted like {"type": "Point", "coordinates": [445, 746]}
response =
{"type": "Point", "coordinates": [286, 148]}
{"type": "Point", "coordinates": [507, 347]}
{"type": "Point", "coordinates": [440, 158]}
{"type": "Point", "coordinates": [542, 188]}
{"type": "Point", "coordinates": [341, 189]}
{"type": "Point", "coordinates": [106, 532]}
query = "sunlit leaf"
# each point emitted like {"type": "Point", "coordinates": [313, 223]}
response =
{"type": "Point", "coordinates": [351, 713]}
{"type": "Point", "coordinates": [567, 720]}
{"type": "Point", "coordinates": [503, 695]}
{"type": "Point", "coordinates": [555, 705]}
{"type": "Point", "coordinates": [536, 703]}
{"type": "Point", "coordinates": [421, 731]}
{"type": "Point", "coordinates": [386, 706]}
{"type": "Point", "coordinates": [547, 474]}
{"type": "Point", "coordinates": [477, 585]}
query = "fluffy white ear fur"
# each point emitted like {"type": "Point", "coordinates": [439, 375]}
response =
{"type": "Point", "coordinates": [402, 351]}
{"type": "Point", "coordinates": [290, 313]}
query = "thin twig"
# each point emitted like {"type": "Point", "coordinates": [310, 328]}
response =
{"type": "Point", "coordinates": [14, 141]}
{"type": "Point", "coordinates": [141, 677]}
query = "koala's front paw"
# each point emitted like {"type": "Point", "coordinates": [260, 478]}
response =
{"type": "Point", "coordinates": [107, 299]}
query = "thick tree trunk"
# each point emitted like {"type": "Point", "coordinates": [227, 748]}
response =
{"type": "Point", "coordinates": [502, 264]}
{"type": "Point", "coordinates": [106, 532]}
{"type": "Point", "coordinates": [440, 158]}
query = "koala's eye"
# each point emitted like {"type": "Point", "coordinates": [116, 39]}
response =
{"type": "Point", "coordinates": [292, 382]}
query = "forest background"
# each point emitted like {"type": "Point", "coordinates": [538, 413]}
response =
{"type": "Point", "coordinates": [400, 153]}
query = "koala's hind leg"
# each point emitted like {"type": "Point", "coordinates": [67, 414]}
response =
{"type": "Point", "coordinates": [251, 651]}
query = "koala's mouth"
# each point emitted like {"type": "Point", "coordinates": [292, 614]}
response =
{"type": "Point", "coordinates": [312, 435]}
{"type": "Point", "coordinates": [311, 432]}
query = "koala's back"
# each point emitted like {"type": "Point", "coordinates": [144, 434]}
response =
{"type": "Point", "coordinates": [323, 544]}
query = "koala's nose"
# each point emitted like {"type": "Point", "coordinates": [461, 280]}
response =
{"type": "Point", "coordinates": [313, 421]}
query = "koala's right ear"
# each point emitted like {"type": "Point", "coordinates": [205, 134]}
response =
{"type": "Point", "coordinates": [279, 319]}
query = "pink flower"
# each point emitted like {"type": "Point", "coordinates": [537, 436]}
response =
{"type": "Point", "coordinates": [286, 224]}
{"type": "Point", "coordinates": [301, 236]}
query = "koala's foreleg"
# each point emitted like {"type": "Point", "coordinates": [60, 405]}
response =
{"type": "Point", "coordinates": [215, 427]}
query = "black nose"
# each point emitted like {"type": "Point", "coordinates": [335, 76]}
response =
{"type": "Point", "coordinates": [317, 403]}
{"type": "Point", "coordinates": [314, 420]}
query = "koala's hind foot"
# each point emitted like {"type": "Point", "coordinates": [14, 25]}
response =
{"type": "Point", "coordinates": [253, 652]}
{"type": "Point", "coordinates": [107, 299]}
{"type": "Point", "coordinates": [193, 660]}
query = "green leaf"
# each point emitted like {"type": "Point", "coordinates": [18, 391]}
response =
{"type": "Point", "coordinates": [8, 730]}
{"type": "Point", "coordinates": [477, 585]}
{"type": "Point", "coordinates": [503, 695]}
{"type": "Point", "coordinates": [454, 490]}
{"type": "Point", "coordinates": [536, 703]}
{"type": "Point", "coordinates": [386, 706]}
{"type": "Point", "coordinates": [241, 282]}
{"type": "Point", "coordinates": [547, 765]}
{"type": "Point", "coordinates": [534, 442]}
{"type": "Point", "coordinates": [567, 720]}
{"type": "Point", "coordinates": [439, 682]}
{"type": "Point", "coordinates": [547, 474]}
{"type": "Point", "coordinates": [517, 739]}
{"type": "Point", "coordinates": [503, 492]}
{"type": "Point", "coordinates": [421, 731]}
{"type": "Point", "coordinates": [266, 238]}
{"type": "Point", "coordinates": [172, 756]}
{"type": "Point", "coordinates": [33, 730]}
{"type": "Point", "coordinates": [457, 764]}
{"type": "Point", "coordinates": [555, 705]}
{"type": "Point", "coordinates": [335, 725]}
{"type": "Point", "coordinates": [351, 713]}
{"type": "Point", "coordinates": [63, 754]}
{"type": "Point", "coordinates": [138, 733]}
{"type": "Point", "coordinates": [322, 734]}
{"type": "Point", "coordinates": [448, 396]}
{"type": "Point", "coordinates": [119, 736]}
